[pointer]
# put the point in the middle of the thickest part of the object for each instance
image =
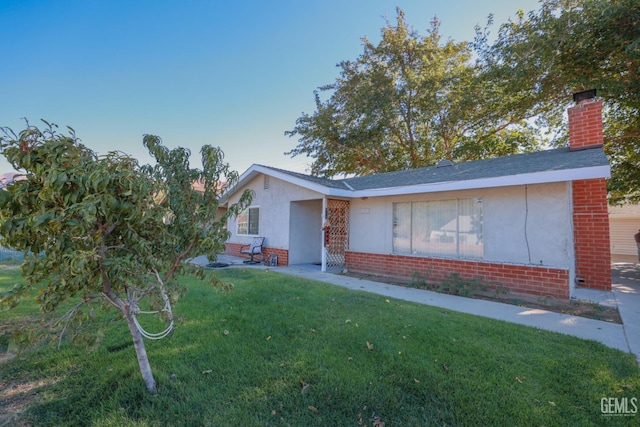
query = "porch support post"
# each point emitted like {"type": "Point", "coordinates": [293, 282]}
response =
{"type": "Point", "coordinates": [324, 249]}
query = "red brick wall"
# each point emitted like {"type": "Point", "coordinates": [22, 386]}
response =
{"type": "Point", "coordinates": [591, 233]}
{"type": "Point", "coordinates": [283, 254]}
{"type": "Point", "coordinates": [532, 280]}
{"type": "Point", "coordinates": [233, 249]}
{"type": "Point", "coordinates": [590, 211]}
{"type": "Point", "coordinates": [585, 124]}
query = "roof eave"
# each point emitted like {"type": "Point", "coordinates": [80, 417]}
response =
{"type": "Point", "coordinates": [563, 175]}
{"type": "Point", "coordinates": [545, 177]}
{"type": "Point", "coordinates": [255, 170]}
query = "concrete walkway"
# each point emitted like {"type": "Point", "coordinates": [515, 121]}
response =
{"type": "Point", "coordinates": [626, 289]}
{"type": "Point", "coordinates": [625, 295]}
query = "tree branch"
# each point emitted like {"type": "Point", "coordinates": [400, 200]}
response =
{"type": "Point", "coordinates": [69, 314]}
{"type": "Point", "coordinates": [178, 260]}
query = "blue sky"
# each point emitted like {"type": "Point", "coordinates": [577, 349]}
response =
{"type": "Point", "coordinates": [235, 74]}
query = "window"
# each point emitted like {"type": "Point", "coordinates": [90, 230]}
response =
{"type": "Point", "coordinates": [249, 221]}
{"type": "Point", "coordinates": [444, 227]}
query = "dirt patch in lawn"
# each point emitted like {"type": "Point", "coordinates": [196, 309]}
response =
{"type": "Point", "coordinates": [16, 398]}
{"type": "Point", "coordinates": [586, 309]}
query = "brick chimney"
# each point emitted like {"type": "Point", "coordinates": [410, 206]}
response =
{"type": "Point", "coordinates": [589, 198]}
{"type": "Point", "coordinates": [585, 121]}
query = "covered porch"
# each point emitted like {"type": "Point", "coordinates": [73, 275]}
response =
{"type": "Point", "coordinates": [319, 233]}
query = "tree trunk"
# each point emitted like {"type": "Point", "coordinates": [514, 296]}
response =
{"type": "Point", "coordinates": [141, 353]}
{"type": "Point", "coordinates": [136, 336]}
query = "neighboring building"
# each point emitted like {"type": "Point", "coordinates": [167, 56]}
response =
{"type": "Point", "coordinates": [535, 223]}
{"type": "Point", "coordinates": [7, 178]}
{"type": "Point", "coordinates": [624, 224]}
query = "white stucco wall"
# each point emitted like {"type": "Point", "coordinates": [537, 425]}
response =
{"type": "Point", "coordinates": [521, 224]}
{"type": "Point", "coordinates": [543, 211]}
{"type": "Point", "coordinates": [275, 210]}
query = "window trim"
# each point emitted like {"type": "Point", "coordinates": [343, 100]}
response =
{"type": "Point", "coordinates": [247, 211]}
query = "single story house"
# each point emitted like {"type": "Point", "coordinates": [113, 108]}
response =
{"type": "Point", "coordinates": [535, 223]}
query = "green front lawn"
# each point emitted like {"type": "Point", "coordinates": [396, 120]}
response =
{"type": "Point", "coordinates": [279, 350]}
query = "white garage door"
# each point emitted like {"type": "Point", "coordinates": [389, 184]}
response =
{"type": "Point", "coordinates": [622, 231]}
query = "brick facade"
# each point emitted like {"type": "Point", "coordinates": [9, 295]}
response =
{"type": "Point", "coordinates": [591, 234]}
{"type": "Point", "coordinates": [522, 279]}
{"type": "Point", "coordinates": [590, 209]}
{"type": "Point", "coordinates": [283, 254]}
{"type": "Point", "coordinates": [585, 125]}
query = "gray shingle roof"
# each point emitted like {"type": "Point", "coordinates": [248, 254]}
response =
{"type": "Point", "coordinates": [517, 164]}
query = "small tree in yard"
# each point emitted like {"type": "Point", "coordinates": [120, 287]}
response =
{"type": "Point", "coordinates": [103, 231]}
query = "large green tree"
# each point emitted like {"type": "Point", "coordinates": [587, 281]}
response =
{"type": "Point", "coordinates": [103, 231]}
{"type": "Point", "coordinates": [568, 46]}
{"type": "Point", "coordinates": [406, 102]}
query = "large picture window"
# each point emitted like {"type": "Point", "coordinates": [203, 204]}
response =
{"type": "Point", "coordinates": [249, 222]}
{"type": "Point", "coordinates": [444, 227]}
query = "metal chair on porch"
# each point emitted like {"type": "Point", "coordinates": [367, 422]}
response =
{"type": "Point", "coordinates": [253, 249]}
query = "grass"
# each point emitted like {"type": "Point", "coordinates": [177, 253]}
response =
{"type": "Point", "coordinates": [279, 350]}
